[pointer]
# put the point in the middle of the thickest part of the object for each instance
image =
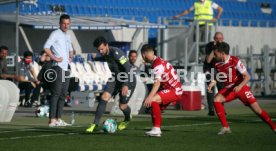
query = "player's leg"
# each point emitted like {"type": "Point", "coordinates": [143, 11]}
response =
{"type": "Point", "coordinates": [218, 104]}
{"type": "Point", "coordinates": [56, 90]}
{"type": "Point", "coordinates": [124, 107]}
{"type": "Point", "coordinates": [246, 96]}
{"type": "Point", "coordinates": [101, 107]}
{"type": "Point", "coordinates": [156, 116]}
{"type": "Point", "coordinates": [99, 112]}
{"type": "Point", "coordinates": [162, 98]}
{"type": "Point", "coordinates": [109, 90]}
{"type": "Point", "coordinates": [62, 96]}
{"type": "Point", "coordinates": [263, 114]}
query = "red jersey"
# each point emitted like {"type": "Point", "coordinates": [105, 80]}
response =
{"type": "Point", "coordinates": [230, 71]}
{"type": "Point", "coordinates": [167, 75]}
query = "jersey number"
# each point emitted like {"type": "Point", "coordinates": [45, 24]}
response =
{"type": "Point", "coordinates": [248, 94]}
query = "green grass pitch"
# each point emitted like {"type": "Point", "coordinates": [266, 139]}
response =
{"type": "Point", "coordinates": [182, 130]}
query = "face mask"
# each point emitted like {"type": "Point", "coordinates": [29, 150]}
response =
{"type": "Point", "coordinates": [28, 61]}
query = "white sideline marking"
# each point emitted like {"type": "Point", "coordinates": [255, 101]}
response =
{"type": "Point", "coordinates": [18, 131]}
{"type": "Point", "coordinates": [189, 125]}
{"type": "Point", "coordinates": [38, 136]}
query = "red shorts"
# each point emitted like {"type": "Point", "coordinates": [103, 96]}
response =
{"type": "Point", "coordinates": [245, 95]}
{"type": "Point", "coordinates": [168, 96]}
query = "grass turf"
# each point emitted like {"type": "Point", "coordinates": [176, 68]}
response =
{"type": "Point", "coordinates": [182, 130]}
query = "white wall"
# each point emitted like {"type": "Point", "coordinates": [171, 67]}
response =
{"type": "Point", "coordinates": [246, 36]}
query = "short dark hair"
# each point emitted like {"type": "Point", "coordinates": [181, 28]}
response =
{"type": "Point", "coordinates": [3, 48]}
{"type": "Point", "coordinates": [147, 48]}
{"type": "Point", "coordinates": [98, 41]}
{"type": "Point", "coordinates": [64, 16]}
{"type": "Point", "coordinates": [27, 54]}
{"type": "Point", "coordinates": [222, 47]}
{"type": "Point", "coordinates": [131, 51]}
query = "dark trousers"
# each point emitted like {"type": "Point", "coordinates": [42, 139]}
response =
{"type": "Point", "coordinates": [36, 93]}
{"type": "Point", "coordinates": [59, 89]}
{"type": "Point", "coordinates": [27, 87]}
{"type": "Point", "coordinates": [211, 96]}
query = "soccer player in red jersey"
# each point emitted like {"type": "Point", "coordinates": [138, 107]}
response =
{"type": "Point", "coordinates": [232, 73]}
{"type": "Point", "coordinates": [166, 88]}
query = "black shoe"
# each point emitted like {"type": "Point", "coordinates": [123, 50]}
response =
{"type": "Point", "coordinates": [211, 113]}
{"type": "Point", "coordinates": [27, 104]}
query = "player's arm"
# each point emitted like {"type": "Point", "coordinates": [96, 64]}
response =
{"type": "Point", "coordinates": [97, 58]}
{"type": "Point", "coordinates": [158, 71]}
{"type": "Point", "coordinates": [185, 12]}
{"type": "Point", "coordinates": [155, 88]}
{"type": "Point", "coordinates": [5, 76]}
{"type": "Point", "coordinates": [122, 59]}
{"type": "Point", "coordinates": [211, 85]}
{"type": "Point", "coordinates": [209, 52]}
{"type": "Point", "coordinates": [50, 41]}
{"type": "Point", "coordinates": [219, 9]}
{"type": "Point", "coordinates": [241, 68]}
{"type": "Point", "coordinates": [71, 53]}
{"type": "Point", "coordinates": [210, 57]}
{"type": "Point", "coordinates": [51, 55]}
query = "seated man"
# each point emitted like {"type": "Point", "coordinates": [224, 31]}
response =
{"type": "Point", "coordinates": [28, 77]}
{"type": "Point", "coordinates": [45, 63]}
{"type": "Point", "coordinates": [235, 79]}
{"type": "Point", "coordinates": [3, 64]}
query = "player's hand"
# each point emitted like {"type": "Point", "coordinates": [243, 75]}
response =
{"type": "Point", "coordinates": [37, 82]}
{"type": "Point", "coordinates": [210, 86]}
{"type": "Point", "coordinates": [59, 59]}
{"type": "Point", "coordinates": [214, 19]}
{"type": "Point", "coordinates": [210, 89]}
{"type": "Point", "coordinates": [237, 88]}
{"type": "Point", "coordinates": [124, 90]}
{"type": "Point", "coordinates": [147, 102]}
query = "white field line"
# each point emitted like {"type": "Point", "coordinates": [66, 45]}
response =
{"type": "Point", "coordinates": [37, 136]}
{"type": "Point", "coordinates": [23, 130]}
{"type": "Point", "coordinates": [190, 125]}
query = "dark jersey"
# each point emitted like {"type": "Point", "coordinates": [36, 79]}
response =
{"type": "Point", "coordinates": [117, 62]}
{"type": "Point", "coordinates": [208, 49]}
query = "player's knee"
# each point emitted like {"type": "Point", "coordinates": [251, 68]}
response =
{"type": "Point", "coordinates": [218, 99]}
{"type": "Point", "coordinates": [105, 97]}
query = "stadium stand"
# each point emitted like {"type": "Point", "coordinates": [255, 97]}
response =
{"type": "Point", "coordinates": [236, 13]}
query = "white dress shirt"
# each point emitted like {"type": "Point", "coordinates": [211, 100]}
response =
{"type": "Point", "coordinates": [60, 44]}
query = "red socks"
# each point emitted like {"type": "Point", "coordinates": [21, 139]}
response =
{"type": "Point", "coordinates": [156, 114]}
{"type": "Point", "coordinates": [221, 113]}
{"type": "Point", "coordinates": [265, 117]}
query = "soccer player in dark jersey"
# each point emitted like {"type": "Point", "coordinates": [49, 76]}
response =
{"type": "Point", "coordinates": [234, 77]}
{"type": "Point", "coordinates": [166, 88]}
{"type": "Point", "coordinates": [124, 84]}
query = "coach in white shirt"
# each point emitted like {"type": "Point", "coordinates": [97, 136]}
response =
{"type": "Point", "coordinates": [59, 47]}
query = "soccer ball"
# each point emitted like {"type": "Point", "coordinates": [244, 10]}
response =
{"type": "Point", "coordinates": [42, 111]}
{"type": "Point", "coordinates": [110, 126]}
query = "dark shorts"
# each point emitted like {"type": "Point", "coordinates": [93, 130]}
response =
{"type": "Point", "coordinates": [115, 87]}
